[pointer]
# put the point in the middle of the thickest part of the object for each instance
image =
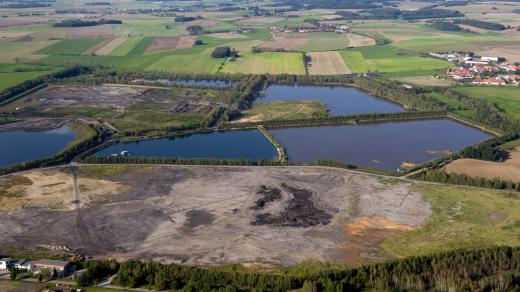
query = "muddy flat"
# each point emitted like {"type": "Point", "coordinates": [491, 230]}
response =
{"type": "Point", "coordinates": [216, 215]}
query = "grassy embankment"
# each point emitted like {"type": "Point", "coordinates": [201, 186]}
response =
{"type": "Point", "coordinates": [462, 218]}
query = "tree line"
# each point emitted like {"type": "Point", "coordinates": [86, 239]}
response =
{"type": "Point", "coordinates": [81, 23]}
{"type": "Point", "coordinates": [489, 269]}
{"type": "Point", "coordinates": [441, 176]}
{"type": "Point", "coordinates": [18, 89]}
{"type": "Point", "coordinates": [340, 119]}
{"type": "Point", "coordinates": [480, 24]}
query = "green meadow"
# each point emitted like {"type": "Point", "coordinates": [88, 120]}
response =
{"type": "Point", "coordinates": [69, 47]}
{"type": "Point", "coordinates": [506, 99]}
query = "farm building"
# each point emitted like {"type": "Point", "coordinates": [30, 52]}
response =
{"type": "Point", "coordinates": [6, 263]}
{"type": "Point", "coordinates": [490, 81]}
{"type": "Point", "coordinates": [62, 267]}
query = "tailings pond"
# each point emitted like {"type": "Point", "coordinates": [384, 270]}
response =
{"type": "Point", "coordinates": [250, 144]}
{"type": "Point", "coordinates": [383, 146]}
{"type": "Point", "coordinates": [339, 100]}
{"type": "Point", "coordinates": [19, 146]}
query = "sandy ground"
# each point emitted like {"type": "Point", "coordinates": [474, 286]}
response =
{"type": "Point", "coordinates": [507, 170]}
{"type": "Point", "coordinates": [227, 35]}
{"type": "Point", "coordinates": [355, 40]}
{"type": "Point", "coordinates": [87, 32]}
{"type": "Point", "coordinates": [110, 47]}
{"type": "Point", "coordinates": [52, 189]}
{"type": "Point", "coordinates": [204, 215]}
{"type": "Point", "coordinates": [94, 49]}
{"type": "Point", "coordinates": [326, 63]}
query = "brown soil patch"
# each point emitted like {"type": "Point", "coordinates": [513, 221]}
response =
{"type": "Point", "coordinates": [286, 41]}
{"type": "Point", "coordinates": [326, 63]}
{"type": "Point", "coordinates": [260, 20]}
{"type": "Point", "coordinates": [472, 28]}
{"type": "Point", "coordinates": [94, 49]}
{"type": "Point", "coordinates": [507, 170]}
{"type": "Point", "coordinates": [511, 53]}
{"type": "Point", "coordinates": [186, 42]}
{"type": "Point", "coordinates": [227, 35]}
{"type": "Point", "coordinates": [355, 40]}
{"type": "Point", "coordinates": [104, 31]}
{"type": "Point", "coordinates": [163, 43]}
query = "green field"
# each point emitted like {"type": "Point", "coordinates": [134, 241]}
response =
{"type": "Point", "coordinates": [268, 62]}
{"type": "Point", "coordinates": [325, 41]}
{"type": "Point", "coordinates": [284, 109]}
{"type": "Point", "coordinates": [384, 59]}
{"type": "Point", "coordinates": [69, 47]}
{"type": "Point", "coordinates": [13, 74]}
{"type": "Point", "coordinates": [187, 63]}
{"type": "Point", "coordinates": [506, 99]}
{"type": "Point", "coordinates": [126, 47]}
{"type": "Point", "coordinates": [141, 46]}
{"type": "Point", "coordinates": [462, 218]}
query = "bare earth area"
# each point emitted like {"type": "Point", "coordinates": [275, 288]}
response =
{"type": "Point", "coordinates": [87, 32]}
{"type": "Point", "coordinates": [356, 40]}
{"type": "Point", "coordinates": [511, 53]}
{"type": "Point", "coordinates": [507, 170]}
{"type": "Point", "coordinates": [217, 215]}
{"type": "Point", "coordinates": [326, 63]}
{"type": "Point", "coordinates": [227, 35]}
{"type": "Point", "coordinates": [286, 41]}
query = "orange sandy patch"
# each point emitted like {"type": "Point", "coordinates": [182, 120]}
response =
{"type": "Point", "coordinates": [364, 224]}
{"type": "Point", "coordinates": [507, 170]}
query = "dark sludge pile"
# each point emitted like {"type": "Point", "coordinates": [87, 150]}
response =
{"type": "Point", "coordinates": [299, 212]}
{"type": "Point", "coordinates": [270, 194]}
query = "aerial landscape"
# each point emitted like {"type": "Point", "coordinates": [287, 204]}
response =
{"type": "Point", "coordinates": [259, 145]}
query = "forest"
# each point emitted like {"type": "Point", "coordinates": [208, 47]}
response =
{"type": "Point", "coordinates": [480, 24]}
{"type": "Point", "coordinates": [494, 268]}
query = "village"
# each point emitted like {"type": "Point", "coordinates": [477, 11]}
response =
{"type": "Point", "coordinates": [313, 28]}
{"type": "Point", "coordinates": [481, 70]}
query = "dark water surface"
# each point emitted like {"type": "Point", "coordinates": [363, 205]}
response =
{"type": "Point", "coordinates": [339, 100]}
{"type": "Point", "coordinates": [19, 146]}
{"type": "Point", "coordinates": [384, 146]}
{"type": "Point", "coordinates": [250, 144]}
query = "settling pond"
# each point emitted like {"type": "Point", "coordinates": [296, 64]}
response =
{"type": "Point", "coordinates": [19, 146]}
{"type": "Point", "coordinates": [339, 100]}
{"type": "Point", "coordinates": [384, 146]}
{"type": "Point", "coordinates": [249, 144]}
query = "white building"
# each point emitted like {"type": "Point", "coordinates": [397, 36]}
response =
{"type": "Point", "coordinates": [490, 59]}
{"type": "Point", "coordinates": [5, 263]}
